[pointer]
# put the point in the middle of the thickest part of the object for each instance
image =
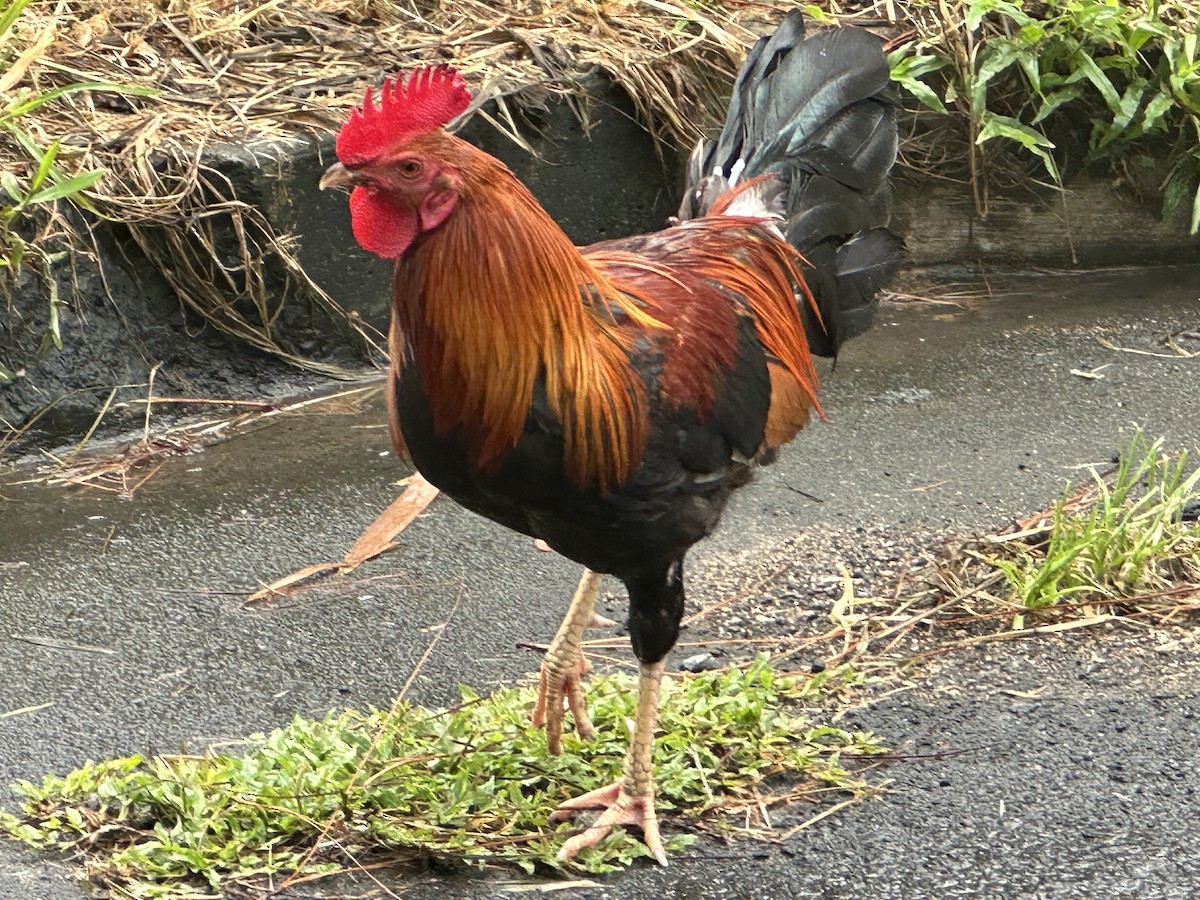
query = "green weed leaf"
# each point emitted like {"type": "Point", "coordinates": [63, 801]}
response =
{"type": "Point", "coordinates": [67, 187]}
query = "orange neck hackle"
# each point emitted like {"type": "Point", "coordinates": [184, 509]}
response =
{"type": "Point", "coordinates": [497, 298]}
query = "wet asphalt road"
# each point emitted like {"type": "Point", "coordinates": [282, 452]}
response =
{"type": "Point", "coordinates": [1072, 766]}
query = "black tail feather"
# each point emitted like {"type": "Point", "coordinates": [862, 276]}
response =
{"type": "Point", "coordinates": [815, 111]}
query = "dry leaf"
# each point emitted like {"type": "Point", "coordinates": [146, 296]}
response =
{"type": "Point", "coordinates": [276, 588]}
{"type": "Point", "coordinates": [378, 537]}
{"type": "Point", "coordinates": [17, 70]}
{"type": "Point", "coordinates": [1075, 623]}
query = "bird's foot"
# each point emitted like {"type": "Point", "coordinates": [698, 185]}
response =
{"type": "Point", "coordinates": [599, 621]}
{"type": "Point", "coordinates": [561, 685]}
{"type": "Point", "coordinates": [620, 808]}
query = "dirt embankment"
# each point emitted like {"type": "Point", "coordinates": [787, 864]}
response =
{"type": "Point", "coordinates": [217, 295]}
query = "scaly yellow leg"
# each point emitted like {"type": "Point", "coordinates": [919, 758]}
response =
{"type": "Point", "coordinates": [565, 666]}
{"type": "Point", "coordinates": [629, 801]}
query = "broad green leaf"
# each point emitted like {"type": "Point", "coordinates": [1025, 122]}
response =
{"type": "Point", "coordinates": [1085, 67]}
{"type": "Point", "coordinates": [1159, 106]}
{"type": "Point", "coordinates": [1131, 102]}
{"type": "Point", "coordinates": [924, 93]}
{"type": "Point", "coordinates": [1146, 30]}
{"type": "Point", "coordinates": [68, 187]}
{"type": "Point", "coordinates": [25, 139]}
{"type": "Point", "coordinates": [1055, 99]}
{"type": "Point", "coordinates": [906, 71]}
{"type": "Point", "coordinates": [977, 9]}
{"type": "Point", "coordinates": [1013, 129]}
{"type": "Point", "coordinates": [1032, 67]}
{"type": "Point", "coordinates": [1032, 33]}
{"type": "Point", "coordinates": [1052, 80]}
{"type": "Point", "coordinates": [818, 14]}
{"type": "Point", "coordinates": [12, 186]}
{"type": "Point", "coordinates": [1031, 139]}
{"type": "Point", "coordinates": [29, 104]}
{"type": "Point", "coordinates": [45, 165]}
{"type": "Point", "coordinates": [912, 65]}
{"type": "Point", "coordinates": [1187, 93]}
{"type": "Point", "coordinates": [998, 56]}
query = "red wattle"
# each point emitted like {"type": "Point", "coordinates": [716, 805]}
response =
{"type": "Point", "coordinates": [383, 228]}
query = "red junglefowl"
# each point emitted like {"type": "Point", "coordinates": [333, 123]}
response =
{"type": "Point", "coordinates": [608, 399]}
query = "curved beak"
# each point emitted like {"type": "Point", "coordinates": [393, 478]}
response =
{"type": "Point", "coordinates": [336, 176]}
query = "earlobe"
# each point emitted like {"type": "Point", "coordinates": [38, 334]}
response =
{"type": "Point", "coordinates": [436, 207]}
{"type": "Point", "coordinates": [381, 227]}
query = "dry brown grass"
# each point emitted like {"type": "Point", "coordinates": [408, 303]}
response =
{"type": "Point", "coordinates": [257, 73]}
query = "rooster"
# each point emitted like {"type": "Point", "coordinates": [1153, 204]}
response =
{"type": "Point", "coordinates": [607, 400]}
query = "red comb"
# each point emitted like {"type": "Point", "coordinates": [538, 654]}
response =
{"type": "Point", "coordinates": [430, 98]}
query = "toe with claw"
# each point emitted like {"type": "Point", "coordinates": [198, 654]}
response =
{"type": "Point", "coordinates": [564, 668]}
{"type": "Point", "coordinates": [621, 807]}
{"type": "Point", "coordinates": [561, 687]}
{"type": "Point", "coordinates": [629, 801]}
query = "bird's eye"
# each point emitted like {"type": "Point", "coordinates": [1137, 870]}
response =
{"type": "Point", "coordinates": [410, 168]}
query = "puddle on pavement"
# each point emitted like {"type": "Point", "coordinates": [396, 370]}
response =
{"type": "Point", "coordinates": [344, 440]}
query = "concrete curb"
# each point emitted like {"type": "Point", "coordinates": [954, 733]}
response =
{"type": "Point", "coordinates": [1093, 224]}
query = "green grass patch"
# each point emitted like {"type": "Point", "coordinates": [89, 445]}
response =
{"type": "Point", "coordinates": [472, 783]}
{"type": "Point", "coordinates": [1123, 548]}
{"type": "Point", "coordinates": [1029, 75]}
{"type": "Point", "coordinates": [1128, 541]}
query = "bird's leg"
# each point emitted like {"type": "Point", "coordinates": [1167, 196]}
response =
{"type": "Point", "coordinates": [656, 601]}
{"type": "Point", "coordinates": [565, 666]}
{"type": "Point", "coordinates": [629, 801]}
